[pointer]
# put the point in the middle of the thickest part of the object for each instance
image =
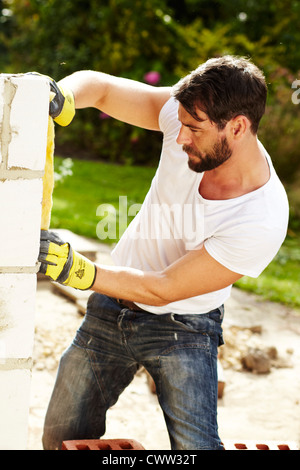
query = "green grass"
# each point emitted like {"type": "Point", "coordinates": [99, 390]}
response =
{"type": "Point", "coordinates": [76, 199]}
{"type": "Point", "coordinates": [280, 281]}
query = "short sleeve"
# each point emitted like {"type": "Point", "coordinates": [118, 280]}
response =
{"type": "Point", "coordinates": [168, 119]}
{"type": "Point", "coordinates": [246, 249]}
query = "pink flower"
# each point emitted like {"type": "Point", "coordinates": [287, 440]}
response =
{"type": "Point", "coordinates": [103, 116]}
{"type": "Point", "coordinates": [152, 77]}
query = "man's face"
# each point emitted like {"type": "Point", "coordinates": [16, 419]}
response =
{"type": "Point", "coordinates": [206, 146]}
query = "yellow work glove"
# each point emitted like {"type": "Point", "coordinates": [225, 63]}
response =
{"type": "Point", "coordinates": [64, 265]}
{"type": "Point", "coordinates": [62, 103]}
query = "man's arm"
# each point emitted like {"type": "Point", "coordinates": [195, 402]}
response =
{"type": "Point", "coordinates": [127, 100]}
{"type": "Point", "coordinates": [194, 274]}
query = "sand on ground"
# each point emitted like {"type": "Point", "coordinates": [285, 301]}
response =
{"type": "Point", "coordinates": [255, 407]}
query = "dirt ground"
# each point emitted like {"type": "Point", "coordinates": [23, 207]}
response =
{"type": "Point", "coordinates": [255, 407]}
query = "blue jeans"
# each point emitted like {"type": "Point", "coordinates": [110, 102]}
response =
{"type": "Point", "coordinates": [179, 352]}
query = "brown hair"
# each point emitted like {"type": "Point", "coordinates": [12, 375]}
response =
{"type": "Point", "coordinates": [224, 88]}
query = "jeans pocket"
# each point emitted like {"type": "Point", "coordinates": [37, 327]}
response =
{"type": "Point", "coordinates": [202, 324]}
{"type": "Point", "coordinates": [194, 323]}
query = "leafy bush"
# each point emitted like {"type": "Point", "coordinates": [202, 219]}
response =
{"type": "Point", "coordinates": [162, 36]}
{"type": "Point", "coordinates": [280, 129]}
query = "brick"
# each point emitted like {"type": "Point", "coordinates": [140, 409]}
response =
{"type": "Point", "coordinates": [15, 394]}
{"type": "Point", "coordinates": [24, 105]}
{"type": "Point", "coordinates": [102, 444]}
{"type": "Point", "coordinates": [20, 215]}
{"type": "Point", "coordinates": [259, 445]}
{"type": "Point", "coordinates": [29, 123]}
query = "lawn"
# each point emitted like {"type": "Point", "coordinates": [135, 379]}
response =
{"type": "Point", "coordinates": [95, 188]}
{"type": "Point", "coordinates": [90, 198]}
{"type": "Point", "coordinates": [280, 281]}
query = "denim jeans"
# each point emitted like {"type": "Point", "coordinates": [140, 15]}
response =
{"type": "Point", "coordinates": [179, 352]}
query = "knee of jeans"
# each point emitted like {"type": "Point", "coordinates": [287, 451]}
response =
{"type": "Point", "coordinates": [49, 441]}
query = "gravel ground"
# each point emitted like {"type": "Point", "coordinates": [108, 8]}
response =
{"type": "Point", "coordinates": [256, 407]}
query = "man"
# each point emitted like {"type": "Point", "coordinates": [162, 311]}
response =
{"type": "Point", "coordinates": [223, 213]}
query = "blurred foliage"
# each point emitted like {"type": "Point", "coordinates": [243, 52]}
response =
{"type": "Point", "coordinates": [130, 39]}
{"type": "Point", "coordinates": [276, 23]}
{"type": "Point", "coordinates": [115, 36]}
{"type": "Point", "coordinates": [268, 32]}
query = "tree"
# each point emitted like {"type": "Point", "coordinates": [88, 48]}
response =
{"type": "Point", "coordinates": [167, 37]}
{"type": "Point", "coordinates": [118, 37]}
{"type": "Point", "coordinates": [274, 24]}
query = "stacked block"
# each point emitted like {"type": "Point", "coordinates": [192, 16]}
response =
{"type": "Point", "coordinates": [24, 108]}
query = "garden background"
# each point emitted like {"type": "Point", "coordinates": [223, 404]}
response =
{"type": "Point", "coordinates": [98, 158]}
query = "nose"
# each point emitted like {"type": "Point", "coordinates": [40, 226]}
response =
{"type": "Point", "coordinates": [183, 137]}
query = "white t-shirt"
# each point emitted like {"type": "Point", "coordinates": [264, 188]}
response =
{"type": "Point", "coordinates": [243, 234]}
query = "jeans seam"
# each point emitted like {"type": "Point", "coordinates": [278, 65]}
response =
{"type": "Point", "coordinates": [203, 347]}
{"type": "Point", "coordinates": [90, 353]}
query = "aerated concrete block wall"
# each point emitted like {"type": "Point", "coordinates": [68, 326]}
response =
{"type": "Point", "coordinates": [24, 105]}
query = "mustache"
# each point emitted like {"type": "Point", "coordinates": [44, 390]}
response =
{"type": "Point", "coordinates": [188, 149]}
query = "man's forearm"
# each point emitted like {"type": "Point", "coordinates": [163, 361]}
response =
{"type": "Point", "coordinates": [196, 273]}
{"type": "Point", "coordinates": [131, 284]}
{"type": "Point", "coordinates": [89, 87]}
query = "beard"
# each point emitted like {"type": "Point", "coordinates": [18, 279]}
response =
{"type": "Point", "coordinates": [220, 153]}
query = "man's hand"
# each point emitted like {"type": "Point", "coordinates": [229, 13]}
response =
{"type": "Point", "coordinates": [62, 103]}
{"type": "Point", "coordinates": [64, 265]}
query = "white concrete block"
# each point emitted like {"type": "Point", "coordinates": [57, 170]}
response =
{"type": "Point", "coordinates": [14, 408]}
{"type": "Point", "coordinates": [28, 122]}
{"type": "Point", "coordinates": [24, 107]}
{"type": "Point", "coordinates": [1, 114]}
{"type": "Point", "coordinates": [20, 215]}
{"type": "Point", "coordinates": [17, 312]}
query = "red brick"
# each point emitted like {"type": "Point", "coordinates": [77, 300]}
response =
{"type": "Point", "coordinates": [102, 444]}
{"type": "Point", "coordinates": [252, 445]}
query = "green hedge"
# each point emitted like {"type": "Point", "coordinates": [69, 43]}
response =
{"type": "Point", "coordinates": [131, 39]}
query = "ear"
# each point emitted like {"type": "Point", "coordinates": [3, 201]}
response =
{"type": "Point", "coordinates": [239, 126]}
